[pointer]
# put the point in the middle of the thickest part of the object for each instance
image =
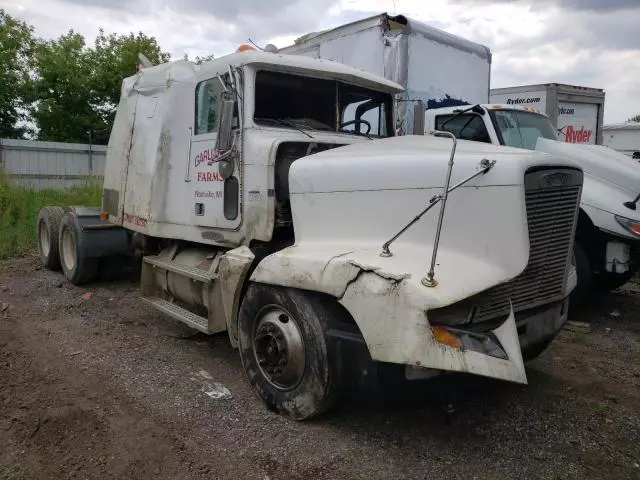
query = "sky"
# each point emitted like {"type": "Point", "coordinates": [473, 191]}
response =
{"type": "Point", "coordinates": [592, 43]}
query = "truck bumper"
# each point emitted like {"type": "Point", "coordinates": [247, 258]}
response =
{"type": "Point", "coordinates": [520, 334]}
{"type": "Point", "coordinates": [517, 337]}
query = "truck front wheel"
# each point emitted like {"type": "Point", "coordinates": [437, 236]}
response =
{"type": "Point", "coordinates": [584, 286]}
{"type": "Point", "coordinates": [77, 268]}
{"type": "Point", "coordinates": [285, 351]}
{"type": "Point", "coordinates": [611, 281]}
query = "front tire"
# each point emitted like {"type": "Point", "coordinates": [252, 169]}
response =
{"type": "Point", "coordinates": [282, 336]}
{"type": "Point", "coordinates": [608, 281]}
{"type": "Point", "coordinates": [584, 288]}
{"type": "Point", "coordinates": [76, 267]}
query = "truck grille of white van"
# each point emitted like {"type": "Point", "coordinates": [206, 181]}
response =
{"type": "Point", "coordinates": [552, 199]}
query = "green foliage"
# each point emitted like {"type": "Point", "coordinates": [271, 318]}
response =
{"type": "Point", "coordinates": [112, 59]}
{"type": "Point", "coordinates": [200, 60]}
{"type": "Point", "coordinates": [63, 108]}
{"type": "Point", "coordinates": [77, 88]}
{"type": "Point", "coordinates": [19, 207]}
{"type": "Point", "coordinates": [635, 119]}
{"type": "Point", "coordinates": [16, 43]}
{"type": "Point", "coordinates": [68, 89]}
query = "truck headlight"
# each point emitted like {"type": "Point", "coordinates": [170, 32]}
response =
{"type": "Point", "coordinates": [630, 225]}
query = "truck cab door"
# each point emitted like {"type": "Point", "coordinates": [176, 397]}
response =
{"type": "Point", "coordinates": [215, 197]}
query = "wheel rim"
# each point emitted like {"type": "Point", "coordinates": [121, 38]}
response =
{"type": "Point", "coordinates": [68, 249]}
{"type": "Point", "coordinates": [279, 348]}
{"type": "Point", "coordinates": [45, 244]}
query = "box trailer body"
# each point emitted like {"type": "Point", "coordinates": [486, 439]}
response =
{"type": "Point", "coordinates": [432, 65]}
{"type": "Point", "coordinates": [255, 211]}
{"type": "Point", "coordinates": [623, 137]}
{"type": "Point", "coordinates": [576, 112]}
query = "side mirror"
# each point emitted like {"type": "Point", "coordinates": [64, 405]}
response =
{"type": "Point", "coordinates": [226, 104]}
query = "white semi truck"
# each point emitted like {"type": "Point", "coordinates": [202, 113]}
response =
{"type": "Point", "coordinates": [325, 253]}
{"type": "Point", "coordinates": [607, 247]}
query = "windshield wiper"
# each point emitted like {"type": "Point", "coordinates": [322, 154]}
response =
{"type": "Point", "coordinates": [287, 123]}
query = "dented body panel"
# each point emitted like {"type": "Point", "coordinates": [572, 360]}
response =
{"type": "Point", "coordinates": [341, 222]}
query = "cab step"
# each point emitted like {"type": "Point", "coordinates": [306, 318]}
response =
{"type": "Point", "coordinates": [193, 273]}
{"type": "Point", "coordinates": [174, 311]}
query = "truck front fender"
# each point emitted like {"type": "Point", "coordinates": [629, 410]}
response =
{"type": "Point", "coordinates": [389, 303]}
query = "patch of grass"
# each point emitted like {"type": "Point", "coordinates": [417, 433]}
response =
{"type": "Point", "coordinates": [19, 208]}
{"type": "Point", "coordinates": [604, 408]}
{"type": "Point", "coordinates": [579, 337]}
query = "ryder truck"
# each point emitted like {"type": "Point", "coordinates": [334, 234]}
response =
{"type": "Point", "coordinates": [576, 112]}
{"type": "Point", "coordinates": [324, 250]}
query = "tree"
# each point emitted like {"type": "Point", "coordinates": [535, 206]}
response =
{"type": "Point", "coordinates": [63, 107]}
{"type": "Point", "coordinates": [112, 59]}
{"type": "Point", "coordinates": [77, 88]}
{"type": "Point", "coordinates": [635, 119]}
{"type": "Point", "coordinates": [16, 44]}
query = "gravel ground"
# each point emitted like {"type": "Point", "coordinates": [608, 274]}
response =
{"type": "Point", "coordinates": [93, 384]}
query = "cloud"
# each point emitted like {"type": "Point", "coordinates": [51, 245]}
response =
{"type": "Point", "coordinates": [579, 5]}
{"type": "Point", "coordinates": [583, 42]}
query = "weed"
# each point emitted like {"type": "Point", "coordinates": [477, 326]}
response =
{"type": "Point", "coordinates": [19, 207]}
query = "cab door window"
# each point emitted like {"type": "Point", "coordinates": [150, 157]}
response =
{"type": "Point", "coordinates": [207, 94]}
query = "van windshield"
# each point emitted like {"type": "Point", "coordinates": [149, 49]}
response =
{"type": "Point", "coordinates": [522, 129]}
{"type": "Point", "coordinates": [306, 103]}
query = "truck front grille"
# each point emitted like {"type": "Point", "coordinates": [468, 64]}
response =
{"type": "Point", "coordinates": [552, 199]}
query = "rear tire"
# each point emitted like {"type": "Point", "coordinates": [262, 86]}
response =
{"type": "Point", "coordinates": [285, 351]}
{"type": "Point", "coordinates": [48, 228]}
{"type": "Point", "coordinates": [77, 268]}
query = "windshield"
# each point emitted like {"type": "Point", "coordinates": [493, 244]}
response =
{"type": "Point", "coordinates": [522, 129]}
{"type": "Point", "coordinates": [304, 103]}
{"type": "Point", "coordinates": [467, 126]}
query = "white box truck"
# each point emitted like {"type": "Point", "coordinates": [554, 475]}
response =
{"type": "Point", "coordinates": [576, 112]}
{"type": "Point", "coordinates": [436, 67]}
